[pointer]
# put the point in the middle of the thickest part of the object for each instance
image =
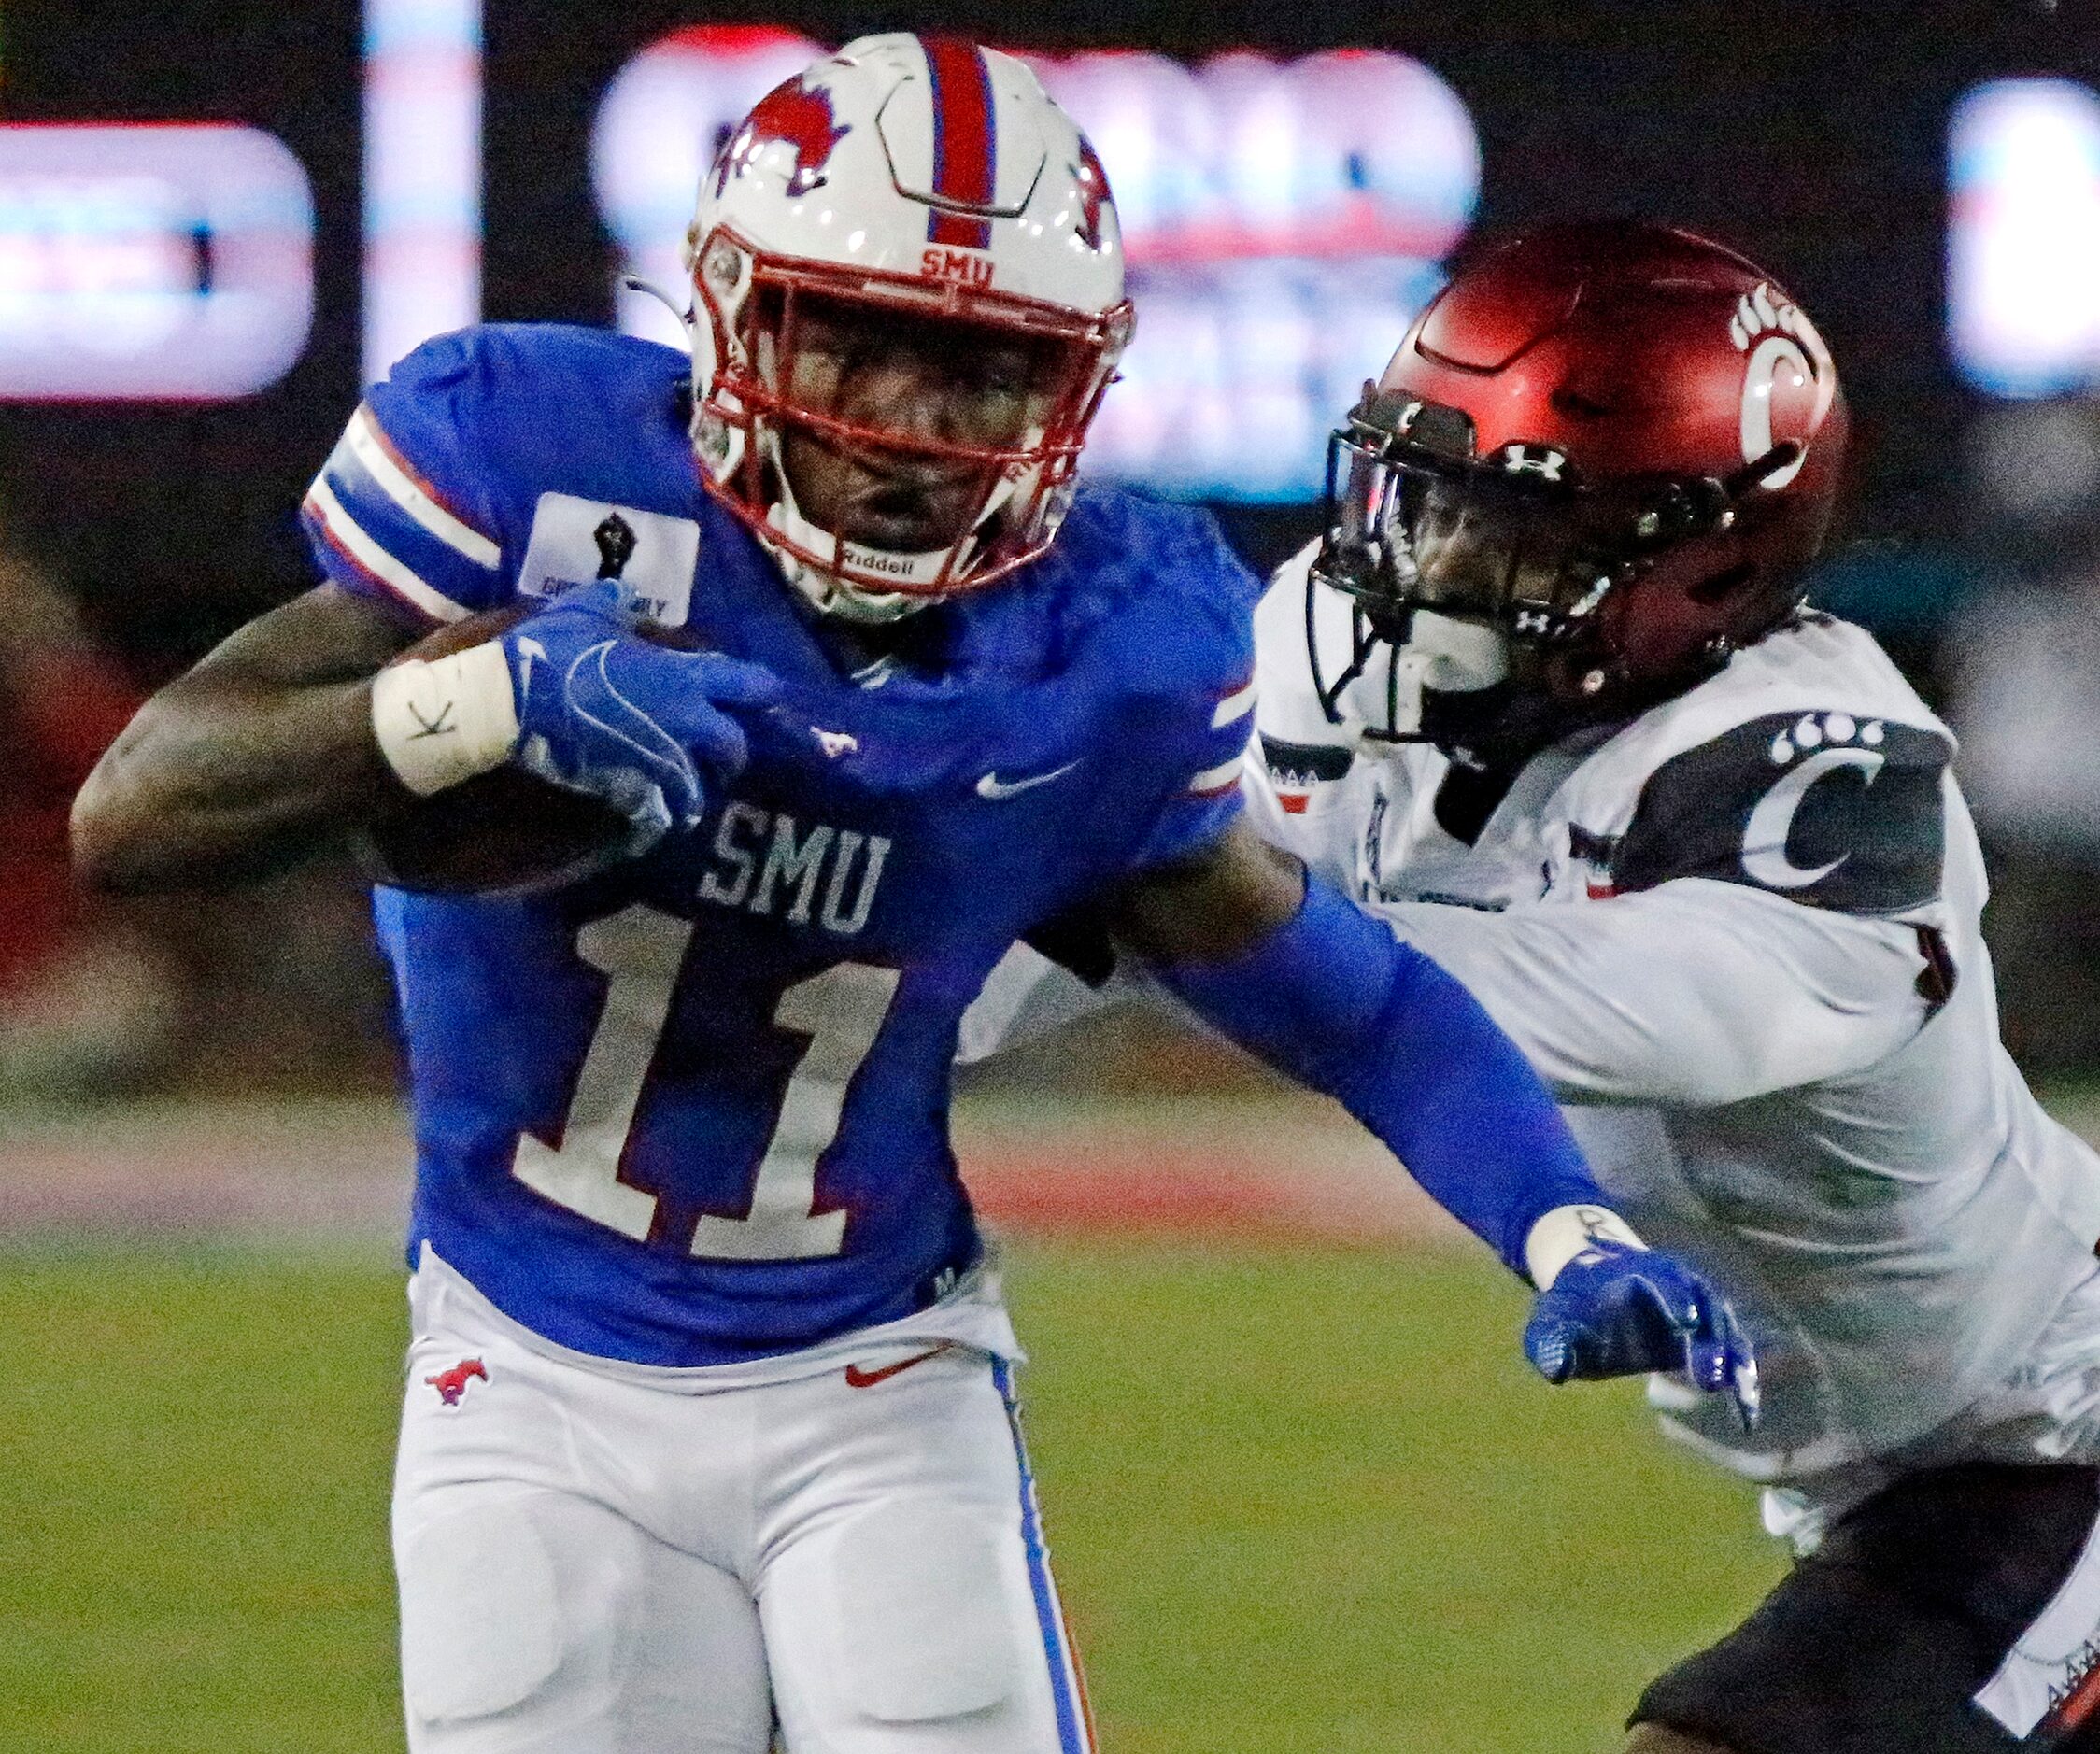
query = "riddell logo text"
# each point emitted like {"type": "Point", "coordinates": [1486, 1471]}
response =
{"type": "Point", "coordinates": [965, 265]}
{"type": "Point", "coordinates": [875, 561]}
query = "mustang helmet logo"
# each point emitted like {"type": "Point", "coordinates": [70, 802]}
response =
{"type": "Point", "coordinates": [1093, 194]}
{"type": "Point", "coordinates": [795, 113]}
{"type": "Point", "coordinates": [451, 1385]}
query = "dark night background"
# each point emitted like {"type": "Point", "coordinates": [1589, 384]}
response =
{"type": "Point", "coordinates": [1811, 137]}
{"type": "Point", "coordinates": [1301, 1497]}
{"type": "Point", "coordinates": [1814, 138]}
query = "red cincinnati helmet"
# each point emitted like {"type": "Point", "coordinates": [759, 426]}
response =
{"type": "Point", "coordinates": [1618, 442]}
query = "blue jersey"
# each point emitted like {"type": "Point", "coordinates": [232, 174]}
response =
{"type": "Point", "coordinates": [768, 1165]}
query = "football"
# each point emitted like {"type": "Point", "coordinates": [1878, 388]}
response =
{"type": "Point", "coordinates": [503, 830]}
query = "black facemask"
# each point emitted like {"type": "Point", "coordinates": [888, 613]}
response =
{"type": "Point", "coordinates": [1516, 541]}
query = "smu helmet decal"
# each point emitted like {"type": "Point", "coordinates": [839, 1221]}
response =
{"type": "Point", "coordinates": [796, 115]}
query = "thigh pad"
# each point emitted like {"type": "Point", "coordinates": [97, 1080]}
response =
{"type": "Point", "coordinates": [480, 1630]}
{"type": "Point", "coordinates": [924, 1627]}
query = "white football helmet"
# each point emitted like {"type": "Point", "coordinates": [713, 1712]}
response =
{"type": "Point", "coordinates": [922, 175]}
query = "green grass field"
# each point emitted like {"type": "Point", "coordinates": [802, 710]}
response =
{"type": "Point", "coordinates": [1302, 1500]}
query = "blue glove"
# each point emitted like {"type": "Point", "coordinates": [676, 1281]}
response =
{"type": "Point", "coordinates": [603, 711]}
{"type": "Point", "coordinates": [1615, 1310]}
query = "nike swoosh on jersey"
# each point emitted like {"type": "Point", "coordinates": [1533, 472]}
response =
{"type": "Point", "coordinates": [856, 1378]}
{"type": "Point", "coordinates": [991, 785]}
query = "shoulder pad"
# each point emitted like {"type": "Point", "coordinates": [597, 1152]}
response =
{"type": "Point", "coordinates": [1169, 602]}
{"type": "Point", "coordinates": [491, 460]}
{"type": "Point", "coordinates": [1824, 808]}
{"type": "Point", "coordinates": [530, 395]}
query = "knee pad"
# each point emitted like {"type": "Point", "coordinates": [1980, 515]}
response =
{"type": "Point", "coordinates": [924, 1631]}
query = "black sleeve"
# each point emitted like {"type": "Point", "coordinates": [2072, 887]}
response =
{"type": "Point", "coordinates": [1828, 808]}
{"type": "Point", "coordinates": [1078, 940]}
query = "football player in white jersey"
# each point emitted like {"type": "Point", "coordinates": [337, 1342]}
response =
{"type": "Point", "coordinates": [1547, 700]}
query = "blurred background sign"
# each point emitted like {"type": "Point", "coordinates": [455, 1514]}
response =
{"type": "Point", "coordinates": [422, 174]}
{"type": "Point", "coordinates": [166, 262]}
{"type": "Point", "coordinates": [1282, 219]}
{"type": "Point", "coordinates": [2024, 237]}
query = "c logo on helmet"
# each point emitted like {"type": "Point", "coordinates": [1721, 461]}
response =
{"type": "Point", "coordinates": [1786, 357]}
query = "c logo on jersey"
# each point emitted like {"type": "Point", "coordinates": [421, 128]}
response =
{"type": "Point", "coordinates": [1828, 808]}
{"type": "Point", "coordinates": [1764, 855]}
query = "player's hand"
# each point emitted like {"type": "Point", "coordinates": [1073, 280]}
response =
{"type": "Point", "coordinates": [603, 711]}
{"type": "Point", "coordinates": [1617, 1310]}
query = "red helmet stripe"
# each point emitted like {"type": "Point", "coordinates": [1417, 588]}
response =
{"type": "Point", "coordinates": [964, 146]}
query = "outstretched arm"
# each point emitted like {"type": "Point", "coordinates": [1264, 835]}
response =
{"type": "Point", "coordinates": [1299, 975]}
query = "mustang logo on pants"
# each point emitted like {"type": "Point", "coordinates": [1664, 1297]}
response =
{"type": "Point", "coordinates": [451, 1385]}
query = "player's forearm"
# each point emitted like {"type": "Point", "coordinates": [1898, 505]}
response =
{"type": "Point", "coordinates": [1331, 999]}
{"type": "Point", "coordinates": [219, 779]}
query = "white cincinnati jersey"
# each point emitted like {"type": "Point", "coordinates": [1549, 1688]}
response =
{"type": "Point", "coordinates": [1741, 937]}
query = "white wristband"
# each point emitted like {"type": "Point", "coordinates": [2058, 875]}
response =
{"type": "Point", "coordinates": [447, 719]}
{"type": "Point", "coordinates": [1564, 1232]}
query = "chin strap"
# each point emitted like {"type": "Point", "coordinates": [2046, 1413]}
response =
{"type": "Point", "coordinates": [827, 593]}
{"type": "Point", "coordinates": [1442, 656]}
{"type": "Point", "coordinates": [847, 599]}
{"type": "Point", "coordinates": [1493, 727]}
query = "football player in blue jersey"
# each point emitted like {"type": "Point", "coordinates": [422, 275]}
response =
{"type": "Point", "coordinates": [710, 1416]}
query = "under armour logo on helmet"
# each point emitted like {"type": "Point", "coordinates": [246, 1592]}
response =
{"type": "Point", "coordinates": [1534, 460]}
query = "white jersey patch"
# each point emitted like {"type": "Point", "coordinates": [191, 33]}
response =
{"type": "Point", "coordinates": [578, 542]}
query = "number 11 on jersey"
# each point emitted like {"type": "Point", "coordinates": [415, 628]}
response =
{"type": "Point", "coordinates": [839, 1011]}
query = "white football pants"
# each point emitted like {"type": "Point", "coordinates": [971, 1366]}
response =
{"type": "Point", "coordinates": [593, 1563]}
